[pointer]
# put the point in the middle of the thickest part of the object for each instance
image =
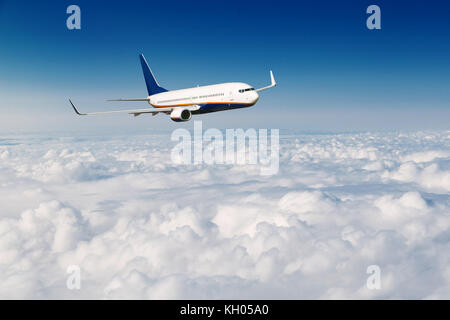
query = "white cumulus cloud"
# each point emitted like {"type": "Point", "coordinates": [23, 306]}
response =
{"type": "Point", "coordinates": [140, 226]}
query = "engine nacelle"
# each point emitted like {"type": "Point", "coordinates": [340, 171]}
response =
{"type": "Point", "coordinates": [180, 114]}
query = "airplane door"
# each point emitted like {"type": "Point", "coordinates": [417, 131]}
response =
{"type": "Point", "coordinates": [231, 96]}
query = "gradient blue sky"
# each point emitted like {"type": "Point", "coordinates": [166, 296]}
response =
{"type": "Point", "coordinates": [333, 73]}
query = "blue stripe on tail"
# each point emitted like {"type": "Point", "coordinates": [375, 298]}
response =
{"type": "Point", "coordinates": [152, 85]}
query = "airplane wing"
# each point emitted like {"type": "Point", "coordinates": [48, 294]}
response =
{"type": "Point", "coordinates": [135, 112]}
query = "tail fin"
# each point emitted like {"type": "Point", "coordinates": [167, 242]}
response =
{"type": "Point", "coordinates": [152, 85]}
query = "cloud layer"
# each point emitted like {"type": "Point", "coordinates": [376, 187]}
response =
{"type": "Point", "coordinates": [142, 227]}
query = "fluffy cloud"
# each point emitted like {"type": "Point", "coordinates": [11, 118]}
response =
{"type": "Point", "coordinates": [140, 226]}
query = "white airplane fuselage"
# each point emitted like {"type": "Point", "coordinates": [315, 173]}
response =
{"type": "Point", "coordinates": [209, 98]}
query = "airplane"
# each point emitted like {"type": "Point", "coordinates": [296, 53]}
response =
{"type": "Point", "coordinates": [182, 104]}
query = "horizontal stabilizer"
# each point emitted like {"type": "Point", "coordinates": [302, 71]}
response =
{"type": "Point", "coordinates": [143, 99]}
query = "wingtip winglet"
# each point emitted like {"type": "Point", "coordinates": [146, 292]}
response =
{"type": "Point", "coordinates": [75, 109]}
{"type": "Point", "coordinates": [272, 79]}
{"type": "Point", "coordinates": [273, 83]}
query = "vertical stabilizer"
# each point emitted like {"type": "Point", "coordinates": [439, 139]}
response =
{"type": "Point", "coordinates": [152, 85]}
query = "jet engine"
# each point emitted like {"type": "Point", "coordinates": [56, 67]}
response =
{"type": "Point", "coordinates": [179, 115]}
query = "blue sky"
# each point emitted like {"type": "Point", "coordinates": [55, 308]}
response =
{"type": "Point", "coordinates": [333, 73]}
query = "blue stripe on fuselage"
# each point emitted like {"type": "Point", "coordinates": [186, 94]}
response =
{"type": "Point", "coordinates": [206, 108]}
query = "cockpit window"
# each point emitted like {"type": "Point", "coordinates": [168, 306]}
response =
{"type": "Point", "coordinates": [248, 89]}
